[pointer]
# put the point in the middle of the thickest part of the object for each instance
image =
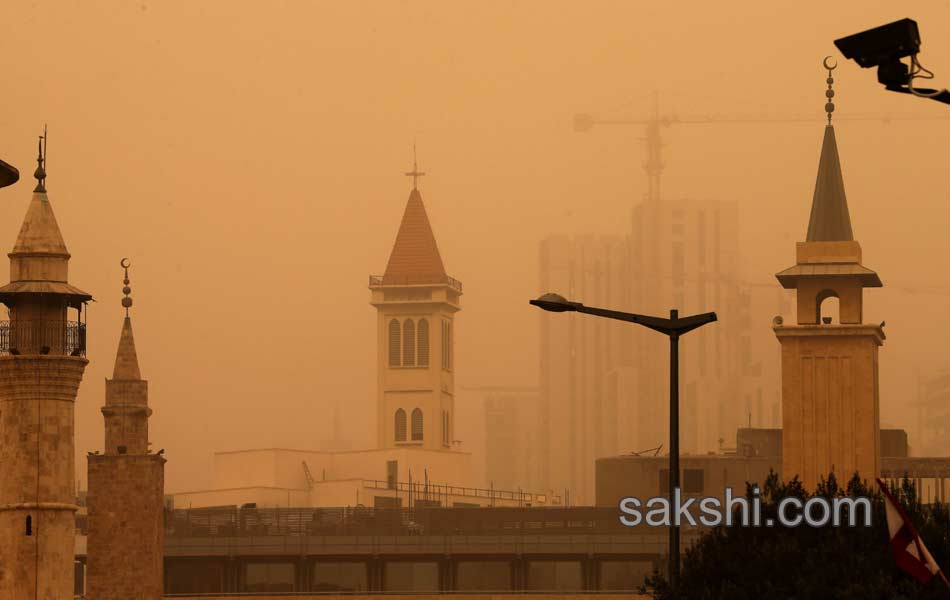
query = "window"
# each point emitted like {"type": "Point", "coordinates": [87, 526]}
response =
{"type": "Point", "coordinates": [448, 343]}
{"type": "Point", "coordinates": [416, 425]}
{"type": "Point", "coordinates": [269, 577]}
{"type": "Point", "coordinates": [693, 481]}
{"type": "Point", "coordinates": [400, 425]}
{"type": "Point", "coordinates": [445, 345]}
{"type": "Point", "coordinates": [408, 343]}
{"type": "Point", "coordinates": [394, 343]}
{"type": "Point", "coordinates": [339, 577]}
{"type": "Point", "coordinates": [29, 525]}
{"type": "Point", "coordinates": [423, 343]}
{"type": "Point", "coordinates": [445, 427]}
{"type": "Point", "coordinates": [679, 267]}
{"type": "Point", "coordinates": [392, 468]}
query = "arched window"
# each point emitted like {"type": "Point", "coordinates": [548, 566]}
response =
{"type": "Point", "coordinates": [400, 425]}
{"type": "Point", "coordinates": [423, 344]}
{"type": "Point", "coordinates": [394, 343]}
{"type": "Point", "coordinates": [416, 425]}
{"type": "Point", "coordinates": [827, 307]}
{"type": "Point", "coordinates": [408, 343]}
{"type": "Point", "coordinates": [29, 525]}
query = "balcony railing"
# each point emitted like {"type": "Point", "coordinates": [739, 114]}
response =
{"type": "Point", "coordinates": [43, 337]}
{"type": "Point", "coordinates": [452, 282]}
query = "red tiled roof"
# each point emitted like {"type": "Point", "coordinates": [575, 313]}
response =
{"type": "Point", "coordinates": [415, 257]}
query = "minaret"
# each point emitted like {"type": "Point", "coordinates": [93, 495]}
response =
{"type": "Point", "coordinates": [42, 359]}
{"type": "Point", "coordinates": [416, 302]}
{"type": "Point", "coordinates": [126, 485]}
{"type": "Point", "coordinates": [830, 405]}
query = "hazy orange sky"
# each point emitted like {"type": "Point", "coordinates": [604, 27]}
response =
{"type": "Point", "coordinates": [249, 156]}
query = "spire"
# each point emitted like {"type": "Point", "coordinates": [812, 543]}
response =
{"type": "Point", "coordinates": [126, 359]}
{"type": "Point", "coordinates": [39, 233]}
{"type": "Point", "coordinates": [830, 220]}
{"type": "Point", "coordinates": [415, 258]}
{"type": "Point", "coordinates": [40, 172]}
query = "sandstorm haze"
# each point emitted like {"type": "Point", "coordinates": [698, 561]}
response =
{"type": "Point", "coordinates": [248, 157]}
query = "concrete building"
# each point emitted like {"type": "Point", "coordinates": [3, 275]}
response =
{"type": "Point", "coordinates": [759, 451]}
{"type": "Point", "coordinates": [604, 388]}
{"type": "Point", "coordinates": [125, 500]}
{"type": "Point", "coordinates": [415, 462]}
{"type": "Point", "coordinates": [830, 397]}
{"type": "Point", "coordinates": [42, 359]}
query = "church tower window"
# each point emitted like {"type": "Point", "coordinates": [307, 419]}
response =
{"type": "Point", "coordinates": [394, 343]}
{"type": "Point", "coordinates": [408, 343]}
{"type": "Point", "coordinates": [423, 343]}
{"type": "Point", "coordinates": [400, 425]}
{"type": "Point", "coordinates": [416, 425]}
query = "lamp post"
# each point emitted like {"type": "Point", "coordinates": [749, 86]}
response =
{"type": "Point", "coordinates": [673, 327]}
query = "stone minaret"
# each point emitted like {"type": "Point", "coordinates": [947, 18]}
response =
{"type": "Point", "coordinates": [416, 302]}
{"type": "Point", "coordinates": [830, 406]}
{"type": "Point", "coordinates": [126, 486]}
{"type": "Point", "coordinates": [42, 359]}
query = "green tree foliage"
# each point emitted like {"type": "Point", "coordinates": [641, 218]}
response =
{"type": "Point", "coordinates": [834, 563]}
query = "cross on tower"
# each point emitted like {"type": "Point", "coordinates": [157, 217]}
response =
{"type": "Point", "coordinates": [415, 173]}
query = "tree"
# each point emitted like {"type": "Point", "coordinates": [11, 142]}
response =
{"type": "Point", "coordinates": [835, 563]}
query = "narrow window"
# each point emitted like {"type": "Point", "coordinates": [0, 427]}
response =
{"type": "Point", "coordinates": [448, 340]}
{"type": "Point", "coordinates": [400, 425]}
{"type": "Point", "coordinates": [445, 346]}
{"type": "Point", "coordinates": [423, 345]}
{"type": "Point", "coordinates": [394, 343]}
{"type": "Point", "coordinates": [392, 471]}
{"type": "Point", "coordinates": [29, 525]}
{"type": "Point", "coordinates": [416, 425]}
{"type": "Point", "coordinates": [408, 343]}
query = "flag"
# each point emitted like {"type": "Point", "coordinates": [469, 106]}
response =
{"type": "Point", "coordinates": [908, 549]}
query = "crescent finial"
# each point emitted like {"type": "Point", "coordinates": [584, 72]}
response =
{"type": "Point", "coordinates": [827, 66]}
{"type": "Point", "coordinates": [124, 263]}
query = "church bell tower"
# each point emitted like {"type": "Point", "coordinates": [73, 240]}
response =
{"type": "Point", "coordinates": [416, 302]}
{"type": "Point", "coordinates": [830, 404]}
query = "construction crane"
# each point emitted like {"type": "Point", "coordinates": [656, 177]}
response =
{"type": "Point", "coordinates": [653, 165]}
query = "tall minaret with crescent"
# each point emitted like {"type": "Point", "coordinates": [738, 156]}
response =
{"type": "Point", "coordinates": [830, 404]}
{"type": "Point", "coordinates": [126, 485]}
{"type": "Point", "coordinates": [42, 360]}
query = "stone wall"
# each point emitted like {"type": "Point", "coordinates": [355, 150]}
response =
{"type": "Point", "coordinates": [126, 533]}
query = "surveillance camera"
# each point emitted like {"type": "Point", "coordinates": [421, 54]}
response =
{"type": "Point", "coordinates": [884, 47]}
{"type": "Point", "coordinates": [884, 44]}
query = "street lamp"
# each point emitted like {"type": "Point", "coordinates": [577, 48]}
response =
{"type": "Point", "coordinates": [673, 327]}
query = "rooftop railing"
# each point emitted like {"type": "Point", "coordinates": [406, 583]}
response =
{"type": "Point", "coordinates": [452, 282]}
{"type": "Point", "coordinates": [365, 521]}
{"type": "Point", "coordinates": [43, 337]}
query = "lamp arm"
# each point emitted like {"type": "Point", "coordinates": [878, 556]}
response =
{"type": "Point", "coordinates": [655, 323]}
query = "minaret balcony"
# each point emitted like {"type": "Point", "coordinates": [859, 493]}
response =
{"type": "Point", "coordinates": [62, 338]}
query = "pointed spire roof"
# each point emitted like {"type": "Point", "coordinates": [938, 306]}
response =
{"type": "Point", "coordinates": [40, 233]}
{"type": "Point", "coordinates": [830, 220]}
{"type": "Point", "coordinates": [415, 258]}
{"type": "Point", "coordinates": [126, 360]}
